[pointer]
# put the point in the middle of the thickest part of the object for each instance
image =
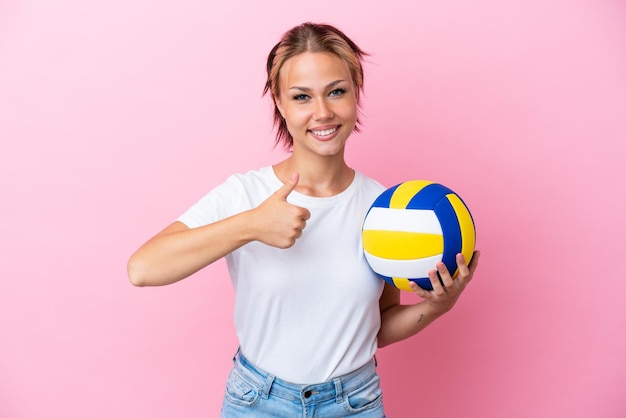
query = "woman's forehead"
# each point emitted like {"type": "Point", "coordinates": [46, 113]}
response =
{"type": "Point", "coordinates": [314, 69]}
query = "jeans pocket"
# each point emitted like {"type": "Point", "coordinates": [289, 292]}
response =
{"type": "Point", "coordinates": [240, 391]}
{"type": "Point", "coordinates": [367, 396]}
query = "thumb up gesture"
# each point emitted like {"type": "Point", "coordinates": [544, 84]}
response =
{"type": "Point", "coordinates": [278, 222]}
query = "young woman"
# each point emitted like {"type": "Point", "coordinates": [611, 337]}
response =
{"type": "Point", "coordinates": [309, 312]}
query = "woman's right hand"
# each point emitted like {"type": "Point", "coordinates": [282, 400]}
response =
{"type": "Point", "coordinates": [277, 222]}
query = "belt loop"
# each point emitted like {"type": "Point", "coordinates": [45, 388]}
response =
{"type": "Point", "coordinates": [265, 390]}
{"type": "Point", "coordinates": [338, 390]}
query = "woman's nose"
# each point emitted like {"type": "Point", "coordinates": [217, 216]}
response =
{"type": "Point", "coordinates": [323, 111]}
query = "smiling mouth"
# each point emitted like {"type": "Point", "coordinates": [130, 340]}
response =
{"type": "Point", "coordinates": [324, 132]}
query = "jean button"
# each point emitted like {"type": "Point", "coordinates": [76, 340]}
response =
{"type": "Point", "coordinates": [308, 394]}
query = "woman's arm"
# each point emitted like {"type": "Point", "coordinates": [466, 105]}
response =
{"type": "Point", "coordinates": [178, 251]}
{"type": "Point", "coordinates": [402, 321]}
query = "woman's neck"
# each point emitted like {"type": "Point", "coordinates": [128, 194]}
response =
{"type": "Point", "coordinates": [321, 177]}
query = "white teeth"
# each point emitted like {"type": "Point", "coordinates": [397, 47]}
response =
{"type": "Point", "coordinates": [325, 132]}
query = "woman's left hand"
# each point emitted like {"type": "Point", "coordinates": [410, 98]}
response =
{"type": "Point", "coordinates": [446, 291]}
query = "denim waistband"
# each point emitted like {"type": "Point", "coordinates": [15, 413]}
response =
{"type": "Point", "coordinates": [318, 392]}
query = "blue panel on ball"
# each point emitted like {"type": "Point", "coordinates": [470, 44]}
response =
{"type": "Point", "coordinates": [452, 240]}
{"type": "Point", "coordinates": [384, 199]}
{"type": "Point", "coordinates": [428, 197]}
{"type": "Point", "coordinates": [386, 278]}
{"type": "Point", "coordinates": [424, 283]}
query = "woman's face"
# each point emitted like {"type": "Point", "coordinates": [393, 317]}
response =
{"type": "Point", "coordinates": [318, 100]}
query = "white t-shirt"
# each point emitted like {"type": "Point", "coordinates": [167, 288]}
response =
{"type": "Point", "coordinates": [308, 313]}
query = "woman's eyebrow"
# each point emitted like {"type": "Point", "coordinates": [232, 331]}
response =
{"type": "Point", "coordinates": [307, 89]}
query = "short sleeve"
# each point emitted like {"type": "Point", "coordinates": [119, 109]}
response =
{"type": "Point", "coordinates": [227, 199]}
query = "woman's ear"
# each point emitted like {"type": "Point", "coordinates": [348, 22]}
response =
{"type": "Point", "coordinates": [279, 106]}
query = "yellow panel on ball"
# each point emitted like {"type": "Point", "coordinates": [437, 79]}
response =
{"type": "Point", "coordinates": [466, 224]}
{"type": "Point", "coordinates": [405, 192]}
{"type": "Point", "coordinates": [402, 283]}
{"type": "Point", "coordinates": [401, 245]}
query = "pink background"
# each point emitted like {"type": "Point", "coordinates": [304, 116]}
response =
{"type": "Point", "coordinates": [116, 116]}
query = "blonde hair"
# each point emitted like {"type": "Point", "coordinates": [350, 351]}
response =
{"type": "Point", "coordinates": [310, 37]}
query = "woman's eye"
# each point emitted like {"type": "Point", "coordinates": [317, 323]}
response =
{"type": "Point", "coordinates": [300, 97]}
{"type": "Point", "coordinates": [337, 92]}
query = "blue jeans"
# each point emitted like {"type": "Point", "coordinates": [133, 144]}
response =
{"type": "Point", "coordinates": [251, 392]}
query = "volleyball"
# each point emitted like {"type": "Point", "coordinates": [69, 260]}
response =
{"type": "Point", "coordinates": [411, 227]}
